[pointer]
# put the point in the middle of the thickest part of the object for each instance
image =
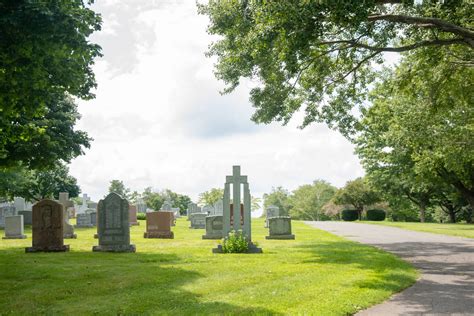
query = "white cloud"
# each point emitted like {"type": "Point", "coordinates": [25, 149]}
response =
{"type": "Point", "coordinates": [159, 121]}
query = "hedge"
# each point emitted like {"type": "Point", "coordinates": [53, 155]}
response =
{"type": "Point", "coordinates": [375, 215]}
{"type": "Point", "coordinates": [350, 215]}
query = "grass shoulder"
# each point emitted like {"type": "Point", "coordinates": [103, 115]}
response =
{"type": "Point", "coordinates": [459, 229]}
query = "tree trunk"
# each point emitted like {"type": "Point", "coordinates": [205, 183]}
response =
{"type": "Point", "coordinates": [452, 215]}
{"type": "Point", "coordinates": [470, 199]}
{"type": "Point", "coordinates": [359, 212]}
{"type": "Point", "coordinates": [422, 212]}
{"type": "Point", "coordinates": [469, 216]}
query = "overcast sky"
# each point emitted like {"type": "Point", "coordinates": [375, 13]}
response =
{"type": "Point", "coordinates": [158, 119]}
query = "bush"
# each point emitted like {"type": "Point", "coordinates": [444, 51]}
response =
{"type": "Point", "coordinates": [375, 215]}
{"type": "Point", "coordinates": [236, 242]}
{"type": "Point", "coordinates": [350, 215]}
{"type": "Point", "coordinates": [141, 216]}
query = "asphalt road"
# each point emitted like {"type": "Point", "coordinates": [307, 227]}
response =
{"type": "Point", "coordinates": [446, 286]}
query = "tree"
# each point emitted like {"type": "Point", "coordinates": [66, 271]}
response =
{"type": "Point", "coordinates": [118, 187]}
{"type": "Point", "coordinates": [357, 193]}
{"type": "Point", "coordinates": [37, 184]}
{"type": "Point", "coordinates": [308, 200]}
{"type": "Point", "coordinates": [319, 55]}
{"type": "Point", "coordinates": [210, 197]}
{"type": "Point", "coordinates": [182, 202]}
{"type": "Point", "coordinates": [278, 197]}
{"type": "Point", "coordinates": [46, 57]}
{"type": "Point", "coordinates": [255, 203]}
{"type": "Point", "coordinates": [418, 135]}
{"type": "Point", "coordinates": [42, 141]}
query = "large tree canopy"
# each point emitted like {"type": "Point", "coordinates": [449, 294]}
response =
{"type": "Point", "coordinates": [37, 184]}
{"type": "Point", "coordinates": [45, 56]}
{"type": "Point", "coordinates": [319, 55]}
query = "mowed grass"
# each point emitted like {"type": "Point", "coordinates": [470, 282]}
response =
{"type": "Point", "coordinates": [317, 274]}
{"type": "Point", "coordinates": [460, 229]}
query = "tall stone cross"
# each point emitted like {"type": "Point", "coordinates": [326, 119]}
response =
{"type": "Point", "coordinates": [236, 179]}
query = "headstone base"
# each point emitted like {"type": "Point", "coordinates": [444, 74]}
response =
{"type": "Point", "coordinates": [124, 248]}
{"type": "Point", "coordinates": [84, 226]}
{"type": "Point", "coordinates": [135, 224]}
{"type": "Point", "coordinates": [252, 249]}
{"type": "Point", "coordinates": [70, 236]}
{"type": "Point", "coordinates": [64, 248]}
{"type": "Point", "coordinates": [163, 235]}
{"type": "Point", "coordinates": [280, 237]}
{"type": "Point", "coordinates": [212, 236]}
{"type": "Point", "coordinates": [15, 237]}
{"type": "Point", "coordinates": [203, 226]}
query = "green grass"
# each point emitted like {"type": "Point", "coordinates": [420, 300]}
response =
{"type": "Point", "coordinates": [460, 230]}
{"type": "Point", "coordinates": [318, 274]}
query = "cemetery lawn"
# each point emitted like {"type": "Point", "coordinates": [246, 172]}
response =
{"type": "Point", "coordinates": [317, 274]}
{"type": "Point", "coordinates": [459, 229]}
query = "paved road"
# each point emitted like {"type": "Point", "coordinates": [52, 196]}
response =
{"type": "Point", "coordinates": [446, 286]}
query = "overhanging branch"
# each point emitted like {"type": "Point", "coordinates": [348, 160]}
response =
{"type": "Point", "coordinates": [465, 33]}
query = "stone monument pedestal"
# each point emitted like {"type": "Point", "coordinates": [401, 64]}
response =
{"type": "Point", "coordinates": [63, 248]}
{"type": "Point", "coordinates": [164, 235]}
{"type": "Point", "coordinates": [114, 248]}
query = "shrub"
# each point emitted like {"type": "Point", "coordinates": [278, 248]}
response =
{"type": "Point", "coordinates": [350, 215]}
{"type": "Point", "coordinates": [235, 242]}
{"type": "Point", "coordinates": [375, 215]}
{"type": "Point", "coordinates": [141, 216]}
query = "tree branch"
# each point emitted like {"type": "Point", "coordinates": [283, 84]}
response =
{"type": "Point", "coordinates": [437, 42]}
{"type": "Point", "coordinates": [465, 33]}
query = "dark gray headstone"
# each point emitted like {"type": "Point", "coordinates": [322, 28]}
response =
{"type": "Point", "coordinates": [113, 226]}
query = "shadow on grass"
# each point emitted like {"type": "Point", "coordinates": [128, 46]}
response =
{"type": "Point", "coordinates": [389, 273]}
{"type": "Point", "coordinates": [104, 284]}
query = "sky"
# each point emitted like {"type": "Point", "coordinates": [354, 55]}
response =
{"type": "Point", "coordinates": [159, 121]}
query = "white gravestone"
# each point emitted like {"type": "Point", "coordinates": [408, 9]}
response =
{"type": "Point", "coordinates": [14, 227]}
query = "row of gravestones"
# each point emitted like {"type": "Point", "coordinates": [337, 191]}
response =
{"type": "Point", "coordinates": [18, 207]}
{"type": "Point", "coordinates": [113, 225]}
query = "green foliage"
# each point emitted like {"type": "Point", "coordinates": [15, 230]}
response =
{"type": "Point", "coordinates": [318, 56]}
{"type": "Point", "coordinates": [357, 193]}
{"type": "Point", "coordinates": [141, 216]}
{"type": "Point", "coordinates": [235, 242]}
{"type": "Point", "coordinates": [182, 202]}
{"type": "Point", "coordinates": [46, 57]}
{"type": "Point", "coordinates": [417, 140]}
{"type": "Point", "coordinates": [349, 215]}
{"type": "Point", "coordinates": [308, 200]}
{"type": "Point", "coordinates": [40, 142]}
{"type": "Point", "coordinates": [210, 197]}
{"type": "Point", "coordinates": [278, 197]}
{"type": "Point", "coordinates": [35, 185]}
{"type": "Point", "coordinates": [117, 186]}
{"type": "Point", "coordinates": [375, 215]}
